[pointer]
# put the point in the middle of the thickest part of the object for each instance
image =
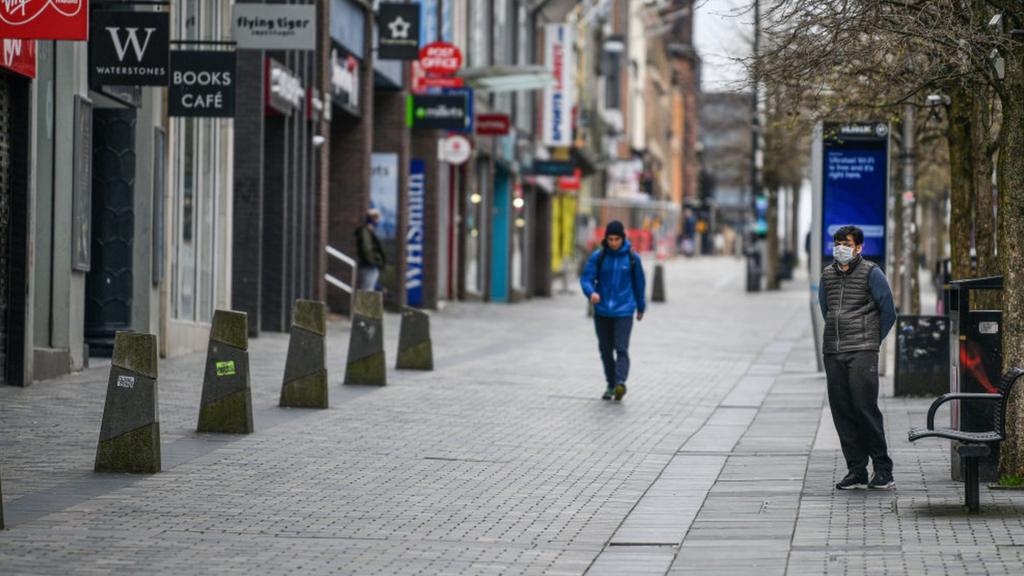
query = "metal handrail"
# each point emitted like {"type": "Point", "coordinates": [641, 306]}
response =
{"type": "Point", "coordinates": [336, 282]}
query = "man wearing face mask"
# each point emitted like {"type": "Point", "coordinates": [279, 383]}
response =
{"type": "Point", "coordinates": [857, 304]}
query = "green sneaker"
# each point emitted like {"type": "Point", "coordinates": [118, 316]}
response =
{"type": "Point", "coordinates": [620, 391]}
{"type": "Point", "coordinates": [608, 393]}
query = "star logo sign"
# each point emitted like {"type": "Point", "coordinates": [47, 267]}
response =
{"type": "Point", "coordinates": [399, 28]}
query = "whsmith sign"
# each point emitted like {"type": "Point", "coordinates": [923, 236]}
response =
{"type": "Point", "coordinates": [129, 48]}
{"type": "Point", "coordinates": [44, 19]}
{"type": "Point", "coordinates": [202, 84]}
{"type": "Point", "coordinates": [274, 26]}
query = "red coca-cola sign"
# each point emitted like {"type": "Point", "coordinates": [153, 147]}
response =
{"type": "Point", "coordinates": [18, 56]}
{"type": "Point", "coordinates": [441, 58]}
{"type": "Point", "coordinates": [44, 19]}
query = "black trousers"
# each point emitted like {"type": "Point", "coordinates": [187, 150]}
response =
{"type": "Point", "coordinates": [613, 342]}
{"type": "Point", "coordinates": [853, 398]}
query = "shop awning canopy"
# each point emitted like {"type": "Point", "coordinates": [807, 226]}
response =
{"type": "Point", "coordinates": [508, 78]}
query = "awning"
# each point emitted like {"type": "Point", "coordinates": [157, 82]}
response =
{"type": "Point", "coordinates": [508, 78]}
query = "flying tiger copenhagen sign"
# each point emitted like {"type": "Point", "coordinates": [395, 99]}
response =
{"type": "Point", "coordinates": [44, 19]}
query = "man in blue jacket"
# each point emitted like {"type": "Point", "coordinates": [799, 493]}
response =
{"type": "Point", "coordinates": [857, 305]}
{"type": "Point", "coordinates": [613, 281]}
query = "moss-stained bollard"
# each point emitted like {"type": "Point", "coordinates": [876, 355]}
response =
{"type": "Point", "coordinates": [415, 351]}
{"type": "Point", "coordinates": [658, 292]}
{"type": "Point", "coordinates": [226, 406]}
{"type": "Point", "coordinates": [130, 433]}
{"type": "Point", "coordinates": [366, 364]}
{"type": "Point", "coordinates": [305, 370]}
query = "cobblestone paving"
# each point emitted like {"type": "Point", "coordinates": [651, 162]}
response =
{"type": "Point", "coordinates": [505, 461]}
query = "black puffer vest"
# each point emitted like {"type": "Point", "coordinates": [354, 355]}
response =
{"type": "Point", "coordinates": [853, 319]}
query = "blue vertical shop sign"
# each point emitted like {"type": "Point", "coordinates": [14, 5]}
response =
{"type": "Point", "coordinates": [414, 233]}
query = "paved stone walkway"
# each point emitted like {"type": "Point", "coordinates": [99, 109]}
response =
{"type": "Point", "coordinates": [721, 460]}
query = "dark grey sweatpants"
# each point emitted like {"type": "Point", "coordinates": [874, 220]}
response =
{"type": "Point", "coordinates": [853, 398]}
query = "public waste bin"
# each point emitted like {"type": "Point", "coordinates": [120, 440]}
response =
{"type": "Point", "coordinates": [976, 354]}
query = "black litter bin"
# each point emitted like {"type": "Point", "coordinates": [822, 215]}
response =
{"type": "Point", "coordinates": [976, 355]}
{"type": "Point", "coordinates": [753, 271]}
{"type": "Point", "coordinates": [922, 356]}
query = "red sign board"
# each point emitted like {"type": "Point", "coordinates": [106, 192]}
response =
{"type": "Point", "coordinates": [493, 124]}
{"type": "Point", "coordinates": [44, 19]}
{"type": "Point", "coordinates": [571, 182]}
{"type": "Point", "coordinates": [441, 58]}
{"type": "Point", "coordinates": [19, 56]}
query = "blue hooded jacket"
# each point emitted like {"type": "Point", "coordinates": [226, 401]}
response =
{"type": "Point", "coordinates": [622, 293]}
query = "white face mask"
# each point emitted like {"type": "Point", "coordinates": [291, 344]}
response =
{"type": "Point", "coordinates": [843, 254]}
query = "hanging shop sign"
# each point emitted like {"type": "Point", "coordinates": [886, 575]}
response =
{"type": "Point", "coordinates": [314, 104]}
{"type": "Point", "coordinates": [414, 233]}
{"type": "Point", "coordinates": [274, 26]}
{"type": "Point", "coordinates": [454, 149]}
{"type": "Point", "coordinates": [44, 19]}
{"type": "Point", "coordinates": [493, 124]}
{"type": "Point", "coordinates": [423, 84]}
{"type": "Point", "coordinates": [202, 84]}
{"type": "Point", "coordinates": [129, 48]}
{"type": "Point", "coordinates": [558, 98]}
{"type": "Point", "coordinates": [284, 91]}
{"type": "Point", "coordinates": [437, 112]}
{"type": "Point", "coordinates": [19, 56]}
{"type": "Point", "coordinates": [345, 81]}
{"type": "Point", "coordinates": [552, 168]}
{"type": "Point", "coordinates": [441, 58]}
{"type": "Point", "coordinates": [399, 31]}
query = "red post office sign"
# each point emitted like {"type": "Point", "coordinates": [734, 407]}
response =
{"type": "Point", "coordinates": [19, 56]}
{"type": "Point", "coordinates": [44, 19]}
{"type": "Point", "coordinates": [493, 124]}
{"type": "Point", "coordinates": [440, 58]}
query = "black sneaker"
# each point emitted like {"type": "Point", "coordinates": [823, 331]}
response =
{"type": "Point", "coordinates": [608, 393]}
{"type": "Point", "coordinates": [853, 481]}
{"type": "Point", "coordinates": [882, 481]}
{"type": "Point", "coordinates": [620, 391]}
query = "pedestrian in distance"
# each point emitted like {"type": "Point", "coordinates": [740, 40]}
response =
{"type": "Point", "coordinates": [369, 251]}
{"type": "Point", "coordinates": [857, 304]}
{"type": "Point", "coordinates": [613, 281]}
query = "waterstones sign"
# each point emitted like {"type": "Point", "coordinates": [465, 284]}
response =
{"type": "Point", "coordinates": [129, 48]}
{"type": "Point", "coordinates": [274, 26]}
{"type": "Point", "coordinates": [44, 19]}
{"type": "Point", "coordinates": [202, 84]}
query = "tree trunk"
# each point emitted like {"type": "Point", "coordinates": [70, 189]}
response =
{"type": "Point", "coordinates": [961, 188]}
{"type": "Point", "coordinates": [772, 266]}
{"type": "Point", "coordinates": [1011, 249]}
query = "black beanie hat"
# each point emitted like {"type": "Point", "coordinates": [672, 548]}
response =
{"type": "Point", "coordinates": [615, 228]}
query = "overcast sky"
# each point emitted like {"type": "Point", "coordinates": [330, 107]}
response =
{"type": "Point", "coordinates": [723, 29]}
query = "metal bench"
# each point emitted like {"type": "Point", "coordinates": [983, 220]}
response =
{"type": "Point", "coordinates": [973, 445]}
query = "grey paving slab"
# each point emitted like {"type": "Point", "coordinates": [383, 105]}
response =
{"type": "Point", "coordinates": [633, 561]}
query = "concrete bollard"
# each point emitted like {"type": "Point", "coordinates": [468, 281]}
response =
{"type": "Point", "coordinates": [1, 503]}
{"type": "Point", "coordinates": [305, 370]}
{"type": "Point", "coordinates": [658, 291]}
{"type": "Point", "coordinates": [366, 364]}
{"type": "Point", "coordinates": [130, 433]}
{"type": "Point", "coordinates": [226, 406]}
{"type": "Point", "coordinates": [415, 351]}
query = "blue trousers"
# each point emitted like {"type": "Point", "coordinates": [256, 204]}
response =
{"type": "Point", "coordinates": [613, 342]}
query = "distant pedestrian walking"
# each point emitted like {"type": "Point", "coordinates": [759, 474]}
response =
{"type": "Point", "coordinates": [613, 281]}
{"type": "Point", "coordinates": [370, 251]}
{"type": "Point", "coordinates": [857, 304]}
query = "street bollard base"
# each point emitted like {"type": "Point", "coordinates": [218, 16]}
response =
{"type": "Point", "coordinates": [418, 357]}
{"type": "Point", "coordinates": [134, 452]}
{"type": "Point", "coordinates": [306, 392]}
{"type": "Point", "coordinates": [370, 370]}
{"type": "Point", "coordinates": [229, 415]}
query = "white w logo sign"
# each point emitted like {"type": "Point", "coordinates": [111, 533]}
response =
{"type": "Point", "coordinates": [132, 41]}
{"type": "Point", "coordinates": [12, 50]}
